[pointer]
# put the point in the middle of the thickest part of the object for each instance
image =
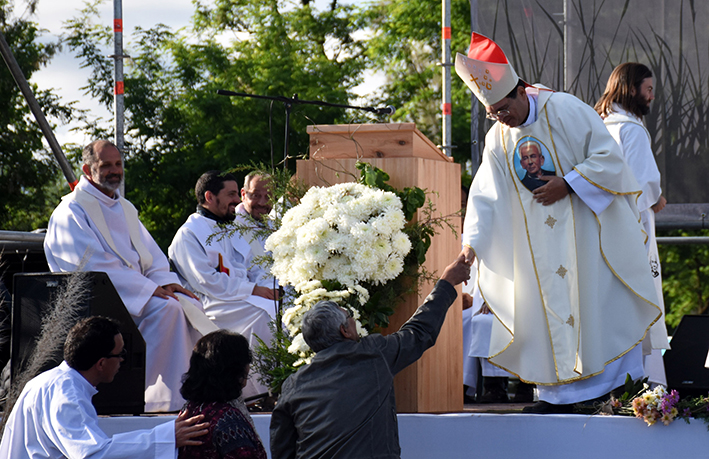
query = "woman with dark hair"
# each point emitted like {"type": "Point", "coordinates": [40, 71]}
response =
{"type": "Point", "coordinates": [219, 368]}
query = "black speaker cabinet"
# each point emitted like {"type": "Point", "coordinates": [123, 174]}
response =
{"type": "Point", "coordinates": [684, 363]}
{"type": "Point", "coordinates": [32, 298]}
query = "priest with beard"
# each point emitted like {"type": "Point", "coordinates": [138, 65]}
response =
{"type": "Point", "coordinates": [623, 105]}
{"type": "Point", "coordinates": [95, 229]}
{"type": "Point", "coordinates": [237, 294]}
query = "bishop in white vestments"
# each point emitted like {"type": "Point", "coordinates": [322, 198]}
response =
{"type": "Point", "coordinates": [96, 224]}
{"type": "Point", "coordinates": [562, 267]}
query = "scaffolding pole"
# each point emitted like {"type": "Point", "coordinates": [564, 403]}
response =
{"type": "Point", "coordinates": [447, 117]}
{"type": "Point", "coordinates": [118, 89]}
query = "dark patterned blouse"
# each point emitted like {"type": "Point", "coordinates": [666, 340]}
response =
{"type": "Point", "coordinates": [231, 433]}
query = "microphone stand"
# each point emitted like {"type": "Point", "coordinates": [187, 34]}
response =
{"type": "Point", "coordinates": [288, 103]}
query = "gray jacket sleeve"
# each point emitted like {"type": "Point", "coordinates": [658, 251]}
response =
{"type": "Point", "coordinates": [419, 333]}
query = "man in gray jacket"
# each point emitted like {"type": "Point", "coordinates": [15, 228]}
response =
{"type": "Point", "coordinates": [342, 404]}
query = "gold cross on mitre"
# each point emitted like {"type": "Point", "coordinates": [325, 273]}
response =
{"type": "Point", "coordinates": [474, 80]}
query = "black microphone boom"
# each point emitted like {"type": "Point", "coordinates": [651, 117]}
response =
{"type": "Point", "coordinates": [388, 110]}
{"type": "Point", "coordinates": [288, 103]}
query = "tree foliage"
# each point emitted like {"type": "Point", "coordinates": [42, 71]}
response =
{"type": "Point", "coordinates": [27, 171]}
{"type": "Point", "coordinates": [685, 277]}
{"type": "Point", "coordinates": [177, 127]}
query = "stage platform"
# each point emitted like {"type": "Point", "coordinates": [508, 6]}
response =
{"type": "Point", "coordinates": [492, 434]}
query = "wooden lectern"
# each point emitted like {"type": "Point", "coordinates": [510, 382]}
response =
{"type": "Point", "coordinates": [434, 384]}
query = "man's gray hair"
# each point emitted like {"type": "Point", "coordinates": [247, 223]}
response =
{"type": "Point", "coordinates": [321, 325]}
{"type": "Point", "coordinates": [88, 155]}
{"type": "Point", "coordinates": [252, 175]}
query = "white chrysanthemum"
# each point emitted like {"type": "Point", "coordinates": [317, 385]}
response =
{"type": "Point", "coordinates": [312, 232]}
{"type": "Point", "coordinates": [362, 295]}
{"type": "Point", "coordinates": [298, 345]}
{"type": "Point", "coordinates": [389, 222]}
{"type": "Point", "coordinates": [382, 247]}
{"type": "Point", "coordinates": [390, 269]}
{"type": "Point", "coordinates": [363, 233]}
{"type": "Point", "coordinates": [401, 244]}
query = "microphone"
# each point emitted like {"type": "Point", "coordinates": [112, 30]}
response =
{"type": "Point", "coordinates": [388, 110]}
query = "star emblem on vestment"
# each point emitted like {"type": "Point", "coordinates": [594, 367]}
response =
{"type": "Point", "coordinates": [551, 221]}
{"type": "Point", "coordinates": [562, 271]}
{"type": "Point", "coordinates": [570, 321]}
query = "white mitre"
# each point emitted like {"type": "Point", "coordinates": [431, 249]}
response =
{"type": "Point", "coordinates": [486, 70]}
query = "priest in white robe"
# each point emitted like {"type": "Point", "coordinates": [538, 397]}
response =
{"type": "Point", "coordinates": [237, 294]}
{"type": "Point", "coordinates": [53, 417]}
{"type": "Point", "coordinates": [95, 225]}
{"type": "Point", "coordinates": [562, 267]}
{"type": "Point", "coordinates": [624, 103]}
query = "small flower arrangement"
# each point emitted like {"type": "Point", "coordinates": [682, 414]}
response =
{"type": "Point", "coordinates": [653, 405]}
{"type": "Point", "coordinates": [656, 405]}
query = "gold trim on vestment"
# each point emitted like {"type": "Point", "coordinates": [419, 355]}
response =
{"type": "Point", "coordinates": [573, 220]}
{"type": "Point", "coordinates": [618, 193]}
{"type": "Point", "coordinates": [513, 174]}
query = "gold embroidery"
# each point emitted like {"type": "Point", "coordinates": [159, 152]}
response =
{"type": "Point", "coordinates": [562, 271]}
{"type": "Point", "coordinates": [551, 221]}
{"type": "Point", "coordinates": [570, 321]}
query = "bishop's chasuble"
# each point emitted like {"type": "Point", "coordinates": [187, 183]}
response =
{"type": "Point", "coordinates": [570, 288]}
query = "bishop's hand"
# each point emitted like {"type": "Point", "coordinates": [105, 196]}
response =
{"type": "Point", "coordinates": [554, 190]}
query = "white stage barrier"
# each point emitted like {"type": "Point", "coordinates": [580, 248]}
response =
{"type": "Point", "coordinates": [483, 435]}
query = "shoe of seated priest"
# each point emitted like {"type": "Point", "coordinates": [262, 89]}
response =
{"type": "Point", "coordinates": [542, 407]}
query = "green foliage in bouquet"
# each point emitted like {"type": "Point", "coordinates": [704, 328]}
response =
{"type": "Point", "coordinates": [272, 361]}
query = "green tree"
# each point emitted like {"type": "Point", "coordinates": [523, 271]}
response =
{"type": "Point", "coordinates": [685, 277]}
{"type": "Point", "coordinates": [177, 127]}
{"type": "Point", "coordinates": [28, 174]}
{"type": "Point", "coordinates": [405, 45]}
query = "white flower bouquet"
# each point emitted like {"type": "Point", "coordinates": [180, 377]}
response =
{"type": "Point", "coordinates": [337, 239]}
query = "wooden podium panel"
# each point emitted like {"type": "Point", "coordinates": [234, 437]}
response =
{"type": "Point", "coordinates": [392, 140]}
{"type": "Point", "coordinates": [435, 382]}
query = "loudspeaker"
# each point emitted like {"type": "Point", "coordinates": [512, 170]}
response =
{"type": "Point", "coordinates": [684, 363]}
{"type": "Point", "coordinates": [33, 296]}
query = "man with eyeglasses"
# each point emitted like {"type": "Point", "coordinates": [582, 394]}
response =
{"type": "Point", "coordinates": [341, 405]}
{"type": "Point", "coordinates": [563, 266]}
{"type": "Point", "coordinates": [54, 417]}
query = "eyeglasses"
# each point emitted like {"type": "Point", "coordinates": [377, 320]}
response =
{"type": "Point", "coordinates": [256, 196]}
{"type": "Point", "coordinates": [120, 355]}
{"type": "Point", "coordinates": [498, 115]}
